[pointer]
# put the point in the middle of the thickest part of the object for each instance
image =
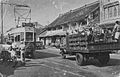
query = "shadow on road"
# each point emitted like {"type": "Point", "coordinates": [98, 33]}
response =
{"type": "Point", "coordinates": [112, 62]}
{"type": "Point", "coordinates": [71, 58]}
{"type": "Point", "coordinates": [6, 69]}
{"type": "Point", "coordinates": [41, 55]}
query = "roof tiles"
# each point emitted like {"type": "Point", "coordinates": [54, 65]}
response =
{"type": "Point", "coordinates": [75, 15]}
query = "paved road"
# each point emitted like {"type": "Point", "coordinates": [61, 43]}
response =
{"type": "Point", "coordinates": [48, 63]}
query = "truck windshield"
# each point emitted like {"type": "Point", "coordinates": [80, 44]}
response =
{"type": "Point", "coordinates": [29, 36]}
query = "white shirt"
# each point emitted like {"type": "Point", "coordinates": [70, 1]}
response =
{"type": "Point", "coordinates": [22, 46]}
{"type": "Point", "coordinates": [14, 45]}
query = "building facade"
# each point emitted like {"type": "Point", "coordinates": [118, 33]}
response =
{"type": "Point", "coordinates": [109, 11]}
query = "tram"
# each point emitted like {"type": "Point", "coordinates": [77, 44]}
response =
{"type": "Point", "coordinates": [25, 33]}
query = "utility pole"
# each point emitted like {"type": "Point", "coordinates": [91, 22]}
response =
{"type": "Point", "coordinates": [1, 22]}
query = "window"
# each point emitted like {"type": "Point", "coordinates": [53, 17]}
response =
{"type": "Point", "coordinates": [115, 11]}
{"type": "Point", "coordinates": [95, 14]}
{"type": "Point", "coordinates": [119, 10]}
{"type": "Point", "coordinates": [110, 14]}
{"type": "Point", "coordinates": [66, 27]}
{"type": "Point", "coordinates": [12, 38]}
{"type": "Point", "coordinates": [22, 36]}
{"type": "Point", "coordinates": [29, 36]}
{"type": "Point", "coordinates": [105, 13]}
{"type": "Point", "coordinates": [59, 27]}
{"type": "Point", "coordinates": [17, 38]}
{"type": "Point", "coordinates": [111, 11]}
{"type": "Point", "coordinates": [34, 36]}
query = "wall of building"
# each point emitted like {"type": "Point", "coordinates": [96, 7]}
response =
{"type": "Point", "coordinates": [109, 11]}
{"type": "Point", "coordinates": [71, 27]}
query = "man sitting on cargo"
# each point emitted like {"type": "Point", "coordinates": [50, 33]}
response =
{"type": "Point", "coordinates": [90, 36]}
{"type": "Point", "coordinates": [116, 31]}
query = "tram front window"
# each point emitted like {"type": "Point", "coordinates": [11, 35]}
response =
{"type": "Point", "coordinates": [17, 38]}
{"type": "Point", "coordinates": [12, 38]}
{"type": "Point", "coordinates": [29, 36]}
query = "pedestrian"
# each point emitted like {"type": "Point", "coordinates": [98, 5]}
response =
{"type": "Point", "coordinates": [22, 52]}
{"type": "Point", "coordinates": [116, 31]}
{"type": "Point", "coordinates": [14, 47]}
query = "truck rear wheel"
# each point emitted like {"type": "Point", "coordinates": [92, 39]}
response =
{"type": "Point", "coordinates": [80, 59]}
{"type": "Point", "coordinates": [103, 58]}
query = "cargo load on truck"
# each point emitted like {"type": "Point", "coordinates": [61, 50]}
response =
{"type": "Point", "coordinates": [95, 42]}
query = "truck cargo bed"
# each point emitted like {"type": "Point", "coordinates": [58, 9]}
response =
{"type": "Point", "coordinates": [79, 43]}
{"type": "Point", "coordinates": [104, 46]}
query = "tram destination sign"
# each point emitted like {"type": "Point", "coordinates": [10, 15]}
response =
{"type": "Point", "coordinates": [29, 29]}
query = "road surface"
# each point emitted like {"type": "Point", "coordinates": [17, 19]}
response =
{"type": "Point", "coordinates": [48, 63]}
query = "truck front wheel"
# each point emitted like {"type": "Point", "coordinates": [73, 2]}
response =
{"type": "Point", "coordinates": [80, 59]}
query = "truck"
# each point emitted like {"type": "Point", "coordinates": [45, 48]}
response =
{"type": "Point", "coordinates": [79, 45]}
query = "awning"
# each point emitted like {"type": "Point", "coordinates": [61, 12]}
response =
{"type": "Point", "coordinates": [54, 33]}
{"type": "Point", "coordinates": [42, 34]}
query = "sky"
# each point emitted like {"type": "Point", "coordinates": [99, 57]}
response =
{"type": "Point", "coordinates": [43, 11]}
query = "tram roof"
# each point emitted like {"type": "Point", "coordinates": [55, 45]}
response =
{"type": "Point", "coordinates": [19, 29]}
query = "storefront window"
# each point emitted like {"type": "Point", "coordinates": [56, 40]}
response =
{"type": "Point", "coordinates": [29, 36]}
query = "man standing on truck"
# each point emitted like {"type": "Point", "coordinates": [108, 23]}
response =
{"type": "Point", "coordinates": [116, 31]}
{"type": "Point", "coordinates": [90, 36]}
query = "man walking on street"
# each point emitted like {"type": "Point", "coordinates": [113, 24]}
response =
{"type": "Point", "coordinates": [22, 50]}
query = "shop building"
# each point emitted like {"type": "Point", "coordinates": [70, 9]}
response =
{"type": "Point", "coordinates": [69, 22]}
{"type": "Point", "coordinates": [109, 12]}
